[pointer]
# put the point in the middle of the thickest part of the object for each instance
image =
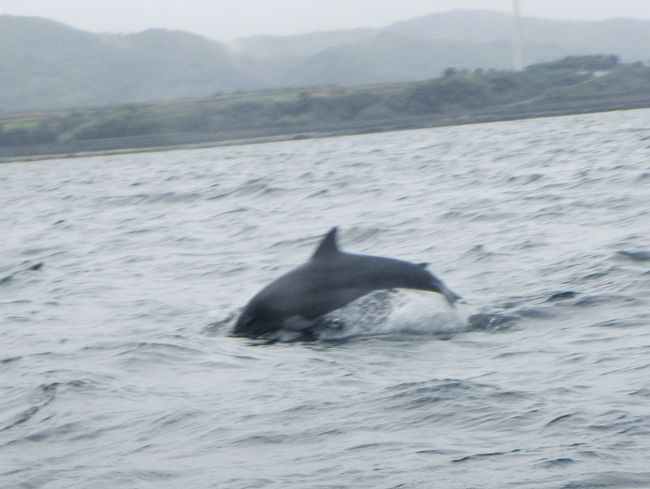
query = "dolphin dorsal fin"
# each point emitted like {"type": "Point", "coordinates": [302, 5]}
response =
{"type": "Point", "coordinates": [328, 246]}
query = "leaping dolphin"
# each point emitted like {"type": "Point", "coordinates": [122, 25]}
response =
{"type": "Point", "coordinates": [328, 281]}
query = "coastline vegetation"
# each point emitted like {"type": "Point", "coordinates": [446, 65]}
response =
{"type": "Point", "coordinates": [575, 83]}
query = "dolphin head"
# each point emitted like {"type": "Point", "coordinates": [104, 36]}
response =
{"type": "Point", "coordinates": [254, 321]}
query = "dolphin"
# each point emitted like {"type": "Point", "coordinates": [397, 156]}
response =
{"type": "Point", "coordinates": [330, 280]}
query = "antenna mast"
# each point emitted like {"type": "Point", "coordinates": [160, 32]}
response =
{"type": "Point", "coordinates": [517, 43]}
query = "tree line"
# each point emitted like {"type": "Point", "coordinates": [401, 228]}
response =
{"type": "Point", "coordinates": [456, 92]}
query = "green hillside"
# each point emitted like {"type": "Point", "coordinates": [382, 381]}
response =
{"type": "Point", "coordinates": [576, 84]}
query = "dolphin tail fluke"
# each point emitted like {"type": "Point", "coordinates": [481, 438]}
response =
{"type": "Point", "coordinates": [440, 287]}
{"type": "Point", "coordinates": [451, 296]}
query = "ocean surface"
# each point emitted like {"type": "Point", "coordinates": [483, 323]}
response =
{"type": "Point", "coordinates": [121, 278]}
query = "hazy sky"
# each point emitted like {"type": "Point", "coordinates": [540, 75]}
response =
{"type": "Point", "coordinates": [228, 19]}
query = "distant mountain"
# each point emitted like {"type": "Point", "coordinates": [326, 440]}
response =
{"type": "Point", "coordinates": [422, 48]}
{"type": "Point", "coordinates": [174, 64]}
{"type": "Point", "coordinates": [544, 39]}
{"type": "Point", "coordinates": [391, 57]}
{"type": "Point", "coordinates": [302, 44]}
{"type": "Point", "coordinates": [46, 65]}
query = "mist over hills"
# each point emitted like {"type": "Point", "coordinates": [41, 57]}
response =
{"type": "Point", "coordinates": [45, 65]}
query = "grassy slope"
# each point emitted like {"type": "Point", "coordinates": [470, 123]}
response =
{"type": "Point", "coordinates": [575, 84]}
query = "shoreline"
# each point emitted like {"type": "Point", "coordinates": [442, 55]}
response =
{"type": "Point", "coordinates": [176, 141]}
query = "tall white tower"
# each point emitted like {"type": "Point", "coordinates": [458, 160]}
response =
{"type": "Point", "coordinates": [517, 42]}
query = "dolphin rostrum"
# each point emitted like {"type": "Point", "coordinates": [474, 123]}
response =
{"type": "Point", "coordinates": [328, 281]}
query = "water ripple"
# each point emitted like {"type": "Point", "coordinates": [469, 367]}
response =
{"type": "Point", "coordinates": [121, 278]}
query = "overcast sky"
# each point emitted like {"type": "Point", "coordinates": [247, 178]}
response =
{"type": "Point", "coordinates": [229, 19]}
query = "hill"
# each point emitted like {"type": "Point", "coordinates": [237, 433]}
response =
{"type": "Point", "coordinates": [571, 85]}
{"type": "Point", "coordinates": [45, 65]}
{"type": "Point", "coordinates": [424, 47]}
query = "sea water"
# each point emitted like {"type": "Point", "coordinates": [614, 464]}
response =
{"type": "Point", "coordinates": [121, 277]}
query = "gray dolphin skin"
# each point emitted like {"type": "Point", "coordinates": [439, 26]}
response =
{"type": "Point", "coordinates": [328, 281]}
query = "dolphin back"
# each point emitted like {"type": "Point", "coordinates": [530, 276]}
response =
{"type": "Point", "coordinates": [375, 273]}
{"type": "Point", "coordinates": [365, 272]}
